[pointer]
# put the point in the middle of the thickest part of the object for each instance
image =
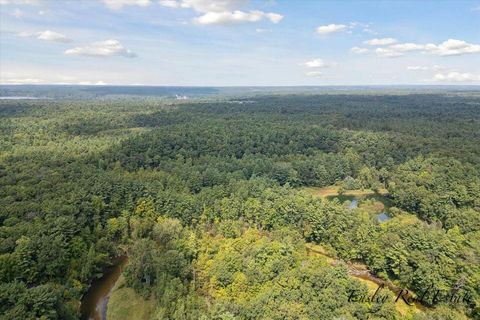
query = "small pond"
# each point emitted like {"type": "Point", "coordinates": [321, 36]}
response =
{"type": "Point", "coordinates": [382, 217]}
{"type": "Point", "coordinates": [354, 201]}
{"type": "Point", "coordinates": [353, 204]}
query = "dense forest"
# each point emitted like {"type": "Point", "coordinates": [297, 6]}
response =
{"type": "Point", "coordinates": [208, 200]}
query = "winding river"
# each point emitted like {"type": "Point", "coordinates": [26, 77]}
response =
{"type": "Point", "coordinates": [94, 302]}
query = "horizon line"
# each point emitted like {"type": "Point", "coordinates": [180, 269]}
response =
{"type": "Point", "coordinates": [239, 86]}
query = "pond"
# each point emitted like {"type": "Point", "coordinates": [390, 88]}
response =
{"type": "Point", "coordinates": [354, 202]}
{"type": "Point", "coordinates": [94, 302]}
{"type": "Point", "coordinates": [382, 217]}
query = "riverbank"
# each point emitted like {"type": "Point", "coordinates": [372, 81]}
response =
{"type": "Point", "coordinates": [94, 302]}
{"type": "Point", "coordinates": [126, 304]}
{"type": "Point", "coordinates": [361, 272]}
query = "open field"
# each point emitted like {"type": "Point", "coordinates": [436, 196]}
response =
{"type": "Point", "coordinates": [332, 191]}
{"type": "Point", "coordinates": [126, 304]}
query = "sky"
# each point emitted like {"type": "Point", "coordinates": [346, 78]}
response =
{"type": "Point", "coordinates": [239, 42]}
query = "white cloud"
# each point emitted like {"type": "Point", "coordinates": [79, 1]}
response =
{"type": "Point", "coordinates": [314, 74]}
{"type": "Point", "coordinates": [319, 63]}
{"type": "Point", "coordinates": [222, 11]}
{"type": "Point", "coordinates": [358, 50]}
{"type": "Point", "coordinates": [455, 76]}
{"type": "Point", "coordinates": [105, 48]}
{"type": "Point", "coordinates": [46, 35]}
{"type": "Point", "coordinates": [20, 2]}
{"type": "Point", "coordinates": [387, 53]}
{"type": "Point", "coordinates": [212, 5]}
{"type": "Point", "coordinates": [22, 81]}
{"type": "Point", "coordinates": [426, 68]}
{"type": "Point", "coordinates": [365, 27]}
{"type": "Point", "coordinates": [90, 83]}
{"type": "Point", "coordinates": [331, 28]}
{"type": "Point", "coordinates": [476, 8]}
{"type": "Point", "coordinates": [418, 68]}
{"type": "Point", "coordinates": [119, 4]}
{"type": "Point", "coordinates": [227, 17]}
{"type": "Point", "coordinates": [274, 17]}
{"type": "Point", "coordinates": [452, 47]}
{"type": "Point", "coordinates": [370, 31]}
{"type": "Point", "coordinates": [405, 47]}
{"type": "Point", "coordinates": [381, 42]}
{"type": "Point", "coordinates": [52, 36]}
{"type": "Point", "coordinates": [57, 80]}
{"type": "Point", "coordinates": [169, 3]}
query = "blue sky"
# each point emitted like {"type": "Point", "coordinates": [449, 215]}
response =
{"type": "Point", "coordinates": [239, 42]}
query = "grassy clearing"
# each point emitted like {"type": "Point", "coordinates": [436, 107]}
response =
{"type": "Point", "coordinates": [372, 206]}
{"type": "Point", "coordinates": [318, 250]}
{"type": "Point", "coordinates": [126, 304]}
{"type": "Point", "coordinates": [334, 191]}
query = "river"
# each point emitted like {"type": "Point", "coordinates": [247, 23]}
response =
{"type": "Point", "coordinates": [95, 300]}
{"type": "Point", "coordinates": [361, 272]}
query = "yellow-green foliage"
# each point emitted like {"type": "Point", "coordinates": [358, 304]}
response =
{"type": "Point", "coordinates": [270, 275]}
{"type": "Point", "coordinates": [236, 269]}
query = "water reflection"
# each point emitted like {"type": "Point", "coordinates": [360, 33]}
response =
{"type": "Point", "coordinates": [382, 217]}
{"type": "Point", "coordinates": [353, 204]}
{"type": "Point", "coordinates": [94, 302]}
